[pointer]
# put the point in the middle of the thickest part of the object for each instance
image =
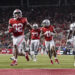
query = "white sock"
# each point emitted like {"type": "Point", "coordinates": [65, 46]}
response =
{"type": "Point", "coordinates": [12, 57]}
{"type": "Point", "coordinates": [15, 60]}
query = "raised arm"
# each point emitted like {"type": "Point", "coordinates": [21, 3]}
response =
{"type": "Point", "coordinates": [69, 34]}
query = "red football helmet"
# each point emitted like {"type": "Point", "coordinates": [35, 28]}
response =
{"type": "Point", "coordinates": [17, 13]}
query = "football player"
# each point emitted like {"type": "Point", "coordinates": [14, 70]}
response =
{"type": "Point", "coordinates": [71, 37]}
{"type": "Point", "coordinates": [34, 44]}
{"type": "Point", "coordinates": [17, 24]}
{"type": "Point", "coordinates": [48, 32]}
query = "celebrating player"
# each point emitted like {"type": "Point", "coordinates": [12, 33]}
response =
{"type": "Point", "coordinates": [17, 26]}
{"type": "Point", "coordinates": [71, 36]}
{"type": "Point", "coordinates": [34, 45]}
{"type": "Point", "coordinates": [48, 32]}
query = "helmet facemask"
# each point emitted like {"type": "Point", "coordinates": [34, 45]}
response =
{"type": "Point", "coordinates": [46, 23]}
{"type": "Point", "coordinates": [35, 26]}
{"type": "Point", "coordinates": [17, 14]}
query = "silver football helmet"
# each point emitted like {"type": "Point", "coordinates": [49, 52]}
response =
{"type": "Point", "coordinates": [72, 26]}
{"type": "Point", "coordinates": [35, 26]}
{"type": "Point", "coordinates": [46, 22]}
{"type": "Point", "coordinates": [17, 13]}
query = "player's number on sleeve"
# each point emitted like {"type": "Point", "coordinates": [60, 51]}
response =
{"type": "Point", "coordinates": [18, 27]}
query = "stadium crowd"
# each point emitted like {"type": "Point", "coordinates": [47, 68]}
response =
{"type": "Point", "coordinates": [61, 18]}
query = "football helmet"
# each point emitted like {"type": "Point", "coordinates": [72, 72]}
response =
{"type": "Point", "coordinates": [17, 13]}
{"type": "Point", "coordinates": [46, 22]}
{"type": "Point", "coordinates": [35, 26]}
{"type": "Point", "coordinates": [72, 26]}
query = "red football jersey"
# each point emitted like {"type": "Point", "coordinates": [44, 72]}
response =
{"type": "Point", "coordinates": [17, 26]}
{"type": "Point", "coordinates": [35, 34]}
{"type": "Point", "coordinates": [47, 32]}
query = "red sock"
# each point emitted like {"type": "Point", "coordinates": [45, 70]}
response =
{"type": "Point", "coordinates": [27, 56]}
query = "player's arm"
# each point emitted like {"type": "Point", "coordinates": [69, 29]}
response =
{"type": "Point", "coordinates": [69, 34]}
{"type": "Point", "coordinates": [8, 31]}
{"type": "Point", "coordinates": [29, 36]}
{"type": "Point", "coordinates": [41, 34]}
{"type": "Point", "coordinates": [54, 33]}
{"type": "Point", "coordinates": [28, 25]}
{"type": "Point", "coordinates": [29, 39]}
{"type": "Point", "coordinates": [10, 28]}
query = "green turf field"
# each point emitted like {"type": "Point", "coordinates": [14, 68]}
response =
{"type": "Point", "coordinates": [66, 61]}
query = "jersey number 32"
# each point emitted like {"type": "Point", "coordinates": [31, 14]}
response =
{"type": "Point", "coordinates": [18, 27]}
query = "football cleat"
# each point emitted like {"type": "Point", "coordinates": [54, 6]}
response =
{"type": "Point", "coordinates": [51, 61]}
{"type": "Point", "coordinates": [56, 60]}
{"type": "Point", "coordinates": [13, 63]}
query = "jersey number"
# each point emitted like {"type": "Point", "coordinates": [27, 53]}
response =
{"type": "Point", "coordinates": [47, 33]}
{"type": "Point", "coordinates": [18, 27]}
{"type": "Point", "coordinates": [35, 34]}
